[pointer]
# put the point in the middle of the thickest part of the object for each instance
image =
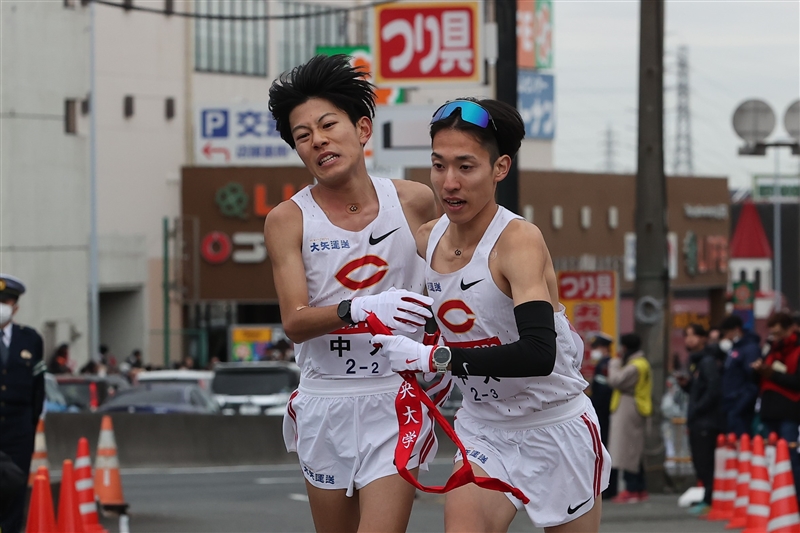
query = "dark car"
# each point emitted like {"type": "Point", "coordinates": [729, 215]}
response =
{"type": "Point", "coordinates": [162, 399]}
{"type": "Point", "coordinates": [88, 392]}
{"type": "Point", "coordinates": [254, 388]}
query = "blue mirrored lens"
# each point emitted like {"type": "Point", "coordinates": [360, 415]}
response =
{"type": "Point", "coordinates": [470, 112]}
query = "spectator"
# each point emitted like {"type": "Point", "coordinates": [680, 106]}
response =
{"type": "Point", "coordinates": [631, 403]}
{"type": "Point", "coordinates": [187, 363]}
{"type": "Point", "coordinates": [59, 362]}
{"type": "Point", "coordinates": [135, 359]}
{"type": "Point", "coordinates": [739, 387]}
{"type": "Point", "coordinates": [703, 419]}
{"type": "Point", "coordinates": [91, 368]}
{"type": "Point", "coordinates": [600, 355]}
{"type": "Point", "coordinates": [780, 385]}
{"type": "Point", "coordinates": [212, 363]}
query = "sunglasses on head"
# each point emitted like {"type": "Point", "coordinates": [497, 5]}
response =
{"type": "Point", "coordinates": [470, 112]}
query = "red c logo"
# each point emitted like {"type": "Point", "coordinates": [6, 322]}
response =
{"type": "Point", "coordinates": [451, 305]}
{"type": "Point", "coordinates": [343, 276]}
{"type": "Point", "coordinates": [216, 247]}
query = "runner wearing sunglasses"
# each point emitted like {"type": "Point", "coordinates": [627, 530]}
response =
{"type": "Point", "coordinates": [524, 419]}
{"type": "Point", "coordinates": [340, 249]}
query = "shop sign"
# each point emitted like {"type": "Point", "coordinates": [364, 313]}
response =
{"type": "Point", "coordinates": [252, 343]}
{"type": "Point", "coordinates": [591, 300]}
{"type": "Point", "coordinates": [430, 42]}
{"type": "Point", "coordinates": [703, 255]}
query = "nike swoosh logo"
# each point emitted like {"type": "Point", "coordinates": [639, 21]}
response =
{"type": "Point", "coordinates": [465, 286]}
{"type": "Point", "coordinates": [465, 367]}
{"type": "Point", "coordinates": [571, 510]}
{"type": "Point", "coordinates": [409, 361]}
{"type": "Point", "coordinates": [374, 241]}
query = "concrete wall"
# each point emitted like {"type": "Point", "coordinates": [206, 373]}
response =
{"type": "Point", "coordinates": [44, 190]}
{"type": "Point", "coordinates": [181, 440]}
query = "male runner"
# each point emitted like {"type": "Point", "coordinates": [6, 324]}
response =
{"type": "Point", "coordinates": [339, 249]}
{"type": "Point", "coordinates": [524, 419]}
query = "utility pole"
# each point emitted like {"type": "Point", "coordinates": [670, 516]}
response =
{"type": "Point", "coordinates": [609, 148]}
{"type": "Point", "coordinates": [683, 128]}
{"type": "Point", "coordinates": [652, 280]}
{"type": "Point", "coordinates": [506, 16]}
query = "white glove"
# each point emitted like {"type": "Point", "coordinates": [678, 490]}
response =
{"type": "Point", "coordinates": [405, 354]}
{"type": "Point", "coordinates": [399, 309]}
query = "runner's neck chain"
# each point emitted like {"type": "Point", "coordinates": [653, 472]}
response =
{"type": "Point", "coordinates": [458, 252]}
{"type": "Point", "coordinates": [353, 209]}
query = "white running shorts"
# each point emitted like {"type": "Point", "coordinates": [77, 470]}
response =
{"type": "Point", "coordinates": [558, 461]}
{"type": "Point", "coordinates": [345, 439]}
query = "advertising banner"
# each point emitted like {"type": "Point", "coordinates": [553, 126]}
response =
{"type": "Point", "coordinates": [239, 135]}
{"type": "Point", "coordinates": [253, 342]}
{"type": "Point", "coordinates": [430, 42]}
{"type": "Point", "coordinates": [535, 97]}
{"type": "Point", "coordinates": [534, 34]}
{"type": "Point", "coordinates": [591, 300]}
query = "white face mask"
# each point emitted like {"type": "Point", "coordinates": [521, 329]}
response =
{"type": "Point", "coordinates": [726, 345]}
{"type": "Point", "coordinates": [6, 312]}
{"type": "Point", "coordinates": [595, 355]}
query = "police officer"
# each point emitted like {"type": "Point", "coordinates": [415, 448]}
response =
{"type": "Point", "coordinates": [600, 355]}
{"type": "Point", "coordinates": [21, 393]}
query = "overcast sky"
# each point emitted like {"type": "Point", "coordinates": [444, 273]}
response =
{"type": "Point", "coordinates": [737, 50]}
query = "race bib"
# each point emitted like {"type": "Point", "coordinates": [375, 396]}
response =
{"type": "Point", "coordinates": [348, 352]}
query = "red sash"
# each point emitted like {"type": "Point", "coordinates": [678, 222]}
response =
{"type": "Point", "coordinates": [409, 402]}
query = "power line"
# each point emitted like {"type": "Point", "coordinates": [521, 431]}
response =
{"type": "Point", "coordinates": [133, 7]}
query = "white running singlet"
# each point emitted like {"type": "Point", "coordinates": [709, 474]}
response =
{"type": "Point", "coordinates": [473, 312]}
{"type": "Point", "coordinates": [341, 265]}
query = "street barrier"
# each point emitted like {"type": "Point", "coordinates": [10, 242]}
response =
{"type": "Point", "coordinates": [155, 440]}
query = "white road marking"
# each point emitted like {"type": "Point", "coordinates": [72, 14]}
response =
{"type": "Point", "coordinates": [277, 480]}
{"type": "Point", "coordinates": [298, 497]}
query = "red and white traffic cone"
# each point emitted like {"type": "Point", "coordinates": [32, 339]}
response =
{"type": "Point", "coordinates": [758, 499]}
{"type": "Point", "coordinates": [69, 514]}
{"type": "Point", "coordinates": [84, 484]}
{"type": "Point", "coordinates": [724, 479]}
{"type": "Point", "coordinates": [739, 519]}
{"type": "Point", "coordinates": [39, 452]}
{"type": "Point", "coordinates": [783, 515]}
{"type": "Point", "coordinates": [41, 518]}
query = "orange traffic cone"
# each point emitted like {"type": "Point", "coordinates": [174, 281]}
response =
{"type": "Point", "coordinates": [739, 519]}
{"type": "Point", "coordinates": [783, 516]}
{"type": "Point", "coordinates": [769, 452]}
{"type": "Point", "coordinates": [41, 518]}
{"type": "Point", "coordinates": [69, 513]}
{"type": "Point", "coordinates": [758, 499]}
{"type": "Point", "coordinates": [39, 452]}
{"type": "Point", "coordinates": [724, 479]}
{"type": "Point", "coordinates": [107, 482]}
{"type": "Point", "coordinates": [84, 486]}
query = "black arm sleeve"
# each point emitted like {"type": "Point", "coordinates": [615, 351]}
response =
{"type": "Point", "coordinates": [534, 354]}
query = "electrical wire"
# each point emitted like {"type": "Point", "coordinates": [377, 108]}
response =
{"type": "Point", "coordinates": [134, 7]}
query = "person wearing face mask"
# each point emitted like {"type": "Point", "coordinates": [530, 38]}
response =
{"type": "Point", "coordinates": [21, 393]}
{"type": "Point", "coordinates": [739, 386]}
{"type": "Point", "coordinates": [780, 384]}
{"type": "Point", "coordinates": [703, 419]}
{"type": "Point", "coordinates": [600, 354]}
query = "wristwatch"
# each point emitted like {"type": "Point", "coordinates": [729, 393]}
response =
{"type": "Point", "coordinates": [344, 312]}
{"type": "Point", "coordinates": [441, 358]}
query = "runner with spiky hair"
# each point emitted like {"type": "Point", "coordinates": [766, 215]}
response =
{"type": "Point", "coordinates": [339, 249]}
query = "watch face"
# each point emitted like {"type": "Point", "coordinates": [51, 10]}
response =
{"type": "Point", "coordinates": [441, 355]}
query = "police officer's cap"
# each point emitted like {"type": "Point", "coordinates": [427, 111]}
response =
{"type": "Point", "coordinates": [598, 338]}
{"type": "Point", "coordinates": [11, 287]}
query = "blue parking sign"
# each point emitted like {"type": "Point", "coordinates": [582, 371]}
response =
{"type": "Point", "coordinates": [214, 123]}
{"type": "Point", "coordinates": [535, 93]}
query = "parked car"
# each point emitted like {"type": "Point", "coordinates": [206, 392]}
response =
{"type": "Point", "coordinates": [88, 392]}
{"type": "Point", "coordinates": [162, 398]}
{"type": "Point", "coordinates": [202, 378]}
{"type": "Point", "coordinates": [254, 388]}
{"type": "Point", "coordinates": [54, 399]}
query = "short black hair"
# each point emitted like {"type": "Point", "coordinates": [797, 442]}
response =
{"type": "Point", "coordinates": [631, 341]}
{"type": "Point", "coordinates": [506, 140]}
{"type": "Point", "coordinates": [697, 329]}
{"type": "Point", "coordinates": [330, 78]}
{"type": "Point", "coordinates": [731, 322]}
{"type": "Point", "coordinates": [780, 318]}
